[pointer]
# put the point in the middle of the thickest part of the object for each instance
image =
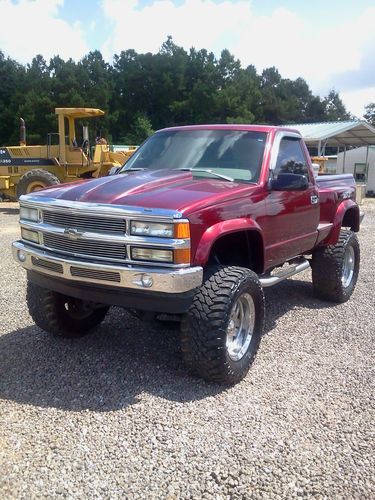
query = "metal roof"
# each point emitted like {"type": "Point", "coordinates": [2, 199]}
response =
{"type": "Point", "coordinates": [345, 133]}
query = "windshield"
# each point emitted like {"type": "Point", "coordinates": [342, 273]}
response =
{"type": "Point", "coordinates": [221, 154]}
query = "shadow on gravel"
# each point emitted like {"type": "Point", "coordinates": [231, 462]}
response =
{"type": "Point", "coordinates": [9, 211]}
{"type": "Point", "coordinates": [105, 371]}
{"type": "Point", "coordinates": [124, 358]}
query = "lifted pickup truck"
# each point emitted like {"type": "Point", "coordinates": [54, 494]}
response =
{"type": "Point", "coordinates": [195, 224]}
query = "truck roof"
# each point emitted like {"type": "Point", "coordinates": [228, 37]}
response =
{"type": "Point", "coordinates": [226, 126]}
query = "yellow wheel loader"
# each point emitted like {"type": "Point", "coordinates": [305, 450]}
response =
{"type": "Point", "coordinates": [24, 169]}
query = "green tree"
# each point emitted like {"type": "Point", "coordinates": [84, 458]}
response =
{"type": "Point", "coordinates": [270, 96]}
{"type": "Point", "coordinates": [66, 87]}
{"type": "Point", "coordinates": [142, 92]}
{"type": "Point", "coordinates": [140, 129]}
{"type": "Point", "coordinates": [334, 107]}
{"type": "Point", "coordinates": [37, 106]}
{"type": "Point", "coordinates": [370, 113]}
{"type": "Point", "coordinates": [12, 81]}
{"type": "Point", "coordinates": [96, 87]}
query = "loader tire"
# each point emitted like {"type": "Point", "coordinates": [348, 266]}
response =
{"type": "Point", "coordinates": [34, 180]}
{"type": "Point", "coordinates": [221, 332]}
{"type": "Point", "coordinates": [335, 268]}
{"type": "Point", "coordinates": [60, 315]}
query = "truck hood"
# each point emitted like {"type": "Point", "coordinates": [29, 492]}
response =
{"type": "Point", "coordinates": [151, 189]}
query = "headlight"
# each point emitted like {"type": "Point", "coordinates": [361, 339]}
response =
{"type": "Point", "coordinates": [152, 254]}
{"type": "Point", "coordinates": [156, 229]}
{"type": "Point", "coordinates": [29, 214]}
{"type": "Point", "coordinates": [29, 235]}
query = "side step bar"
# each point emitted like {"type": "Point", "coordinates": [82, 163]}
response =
{"type": "Point", "coordinates": [296, 268]}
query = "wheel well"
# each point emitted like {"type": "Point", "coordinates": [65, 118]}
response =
{"type": "Point", "coordinates": [243, 248]}
{"type": "Point", "coordinates": [351, 219]}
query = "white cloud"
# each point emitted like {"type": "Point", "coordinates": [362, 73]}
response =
{"type": "Point", "coordinates": [294, 45]}
{"type": "Point", "coordinates": [339, 56]}
{"type": "Point", "coordinates": [32, 27]}
{"type": "Point", "coordinates": [356, 100]}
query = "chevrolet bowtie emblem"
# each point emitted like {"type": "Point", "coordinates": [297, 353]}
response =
{"type": "Point", "coordinates": [72, 234]}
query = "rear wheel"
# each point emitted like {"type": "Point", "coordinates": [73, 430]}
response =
{"type": "Point", "coordinates": [63, 316]}
{"type": "Point", "coordinates": [221, 333]}
{"type": "Point", "coordinates": [34, 180]}
{"type": "Point", "coordinates": [335, 268]}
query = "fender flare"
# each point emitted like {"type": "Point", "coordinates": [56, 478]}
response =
{"type": "Point", "coordinates": [220, 229]}
{"type": "Point", "coordinates": [342, 209]}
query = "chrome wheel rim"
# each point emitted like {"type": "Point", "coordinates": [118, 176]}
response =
{"type": "Point", "coordinates": [348, 266]}
{"type": "Point", "coordinates": [240, 327]}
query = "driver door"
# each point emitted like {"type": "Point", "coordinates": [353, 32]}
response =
{"type": "Point", "coordinates": [292, 215]}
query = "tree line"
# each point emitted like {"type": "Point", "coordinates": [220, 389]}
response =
{"type": "Point", "coordinates": [145, 92]}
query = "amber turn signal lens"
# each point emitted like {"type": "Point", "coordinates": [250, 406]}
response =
{"type": "Point", "coordinates": [182, 230]}
{"type": "Point", "coordinates": [182, 256]}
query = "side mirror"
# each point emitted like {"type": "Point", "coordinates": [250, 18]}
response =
{"type": "Point", "coordinates": [290, 182]}
{"type": "Point", "coordinates": [113, 170]}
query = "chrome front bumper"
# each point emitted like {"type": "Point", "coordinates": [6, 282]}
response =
{"type": "Point", "coordinates": [130, 277]}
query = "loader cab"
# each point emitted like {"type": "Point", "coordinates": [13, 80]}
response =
{"type": "Point", "coordinates": [74, 149]}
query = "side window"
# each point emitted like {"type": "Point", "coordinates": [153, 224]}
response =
{"type": "Point", "coordinates": [291, 159]}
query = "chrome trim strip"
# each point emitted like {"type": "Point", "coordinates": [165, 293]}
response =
{"type": "Point", "coordinates": [102, 209]}
{"type": "Point", "coordinates": [146, 241]}
{"type": "Point", "coordinates": [164, 280]}
{"type": "Point", "coordinates": [96, 258]}
{"type": "Point", "coordinates": [288, 273]}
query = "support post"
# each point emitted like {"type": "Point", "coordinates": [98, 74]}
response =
{"type": "Point", "coordinates": [72, 131]}
{"type": "Point", "coordinates": [343, 161]}
{"type": "Point", "coordinates": [62, 155]}
{"type": "Point", "coordinates": [366, 167]}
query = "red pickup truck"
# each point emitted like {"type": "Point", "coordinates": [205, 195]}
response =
{"type": "Point", "coordinates": [195, 224]}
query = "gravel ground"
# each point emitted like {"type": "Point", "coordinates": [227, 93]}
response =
{"type": "Point", "coordinates": [116, 415]}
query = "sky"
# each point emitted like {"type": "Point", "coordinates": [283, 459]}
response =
{"type": "Point", "coordinates": [331, 44]}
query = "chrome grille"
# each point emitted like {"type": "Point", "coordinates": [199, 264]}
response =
{"type": "Point", "coordinates": [45, 264]}
{"type": "Point", "coordinates": [101, 249]}
{"type": "Point", "coordinates": [95, 274]}
{"type": "Point", "coordinates": [85, 222]}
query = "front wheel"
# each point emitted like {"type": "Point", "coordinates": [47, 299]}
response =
{"type": "Point", "coordinates": [220, 334]}
{"type": "Point", "coordinates": [335, 268]}
{"type": "Point", "coordinates": [34, 180]}
{"type": "Point", "coordinates": [63, 316]}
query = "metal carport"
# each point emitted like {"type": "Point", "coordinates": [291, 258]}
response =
{"type": "Point", "coordinates": [344, 134]}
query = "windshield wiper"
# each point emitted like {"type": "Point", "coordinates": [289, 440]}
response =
{"type": "Point", "coordinates": [133, 169]}
{"type": "Point", "coordinates": [209, 171]}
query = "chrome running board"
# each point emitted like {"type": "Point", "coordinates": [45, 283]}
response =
{"type": "Point", "coordinates": [296, 268]}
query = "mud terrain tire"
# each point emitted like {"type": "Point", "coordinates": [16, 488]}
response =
{"type": "Point", "coordinates": [210, 345]}
{"type": "Point", "coordinates": [60, 315]}
{"type": "Point", "coordinates": [335, 268]}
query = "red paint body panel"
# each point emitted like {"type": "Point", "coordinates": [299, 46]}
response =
{"type": "Point", "coordinates": [342, 209]}
{"type": "Point", "coordinates": [287, 221]}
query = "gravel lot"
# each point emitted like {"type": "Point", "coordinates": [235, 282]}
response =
{"type": "Point", "coordinates": [116, 415]}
